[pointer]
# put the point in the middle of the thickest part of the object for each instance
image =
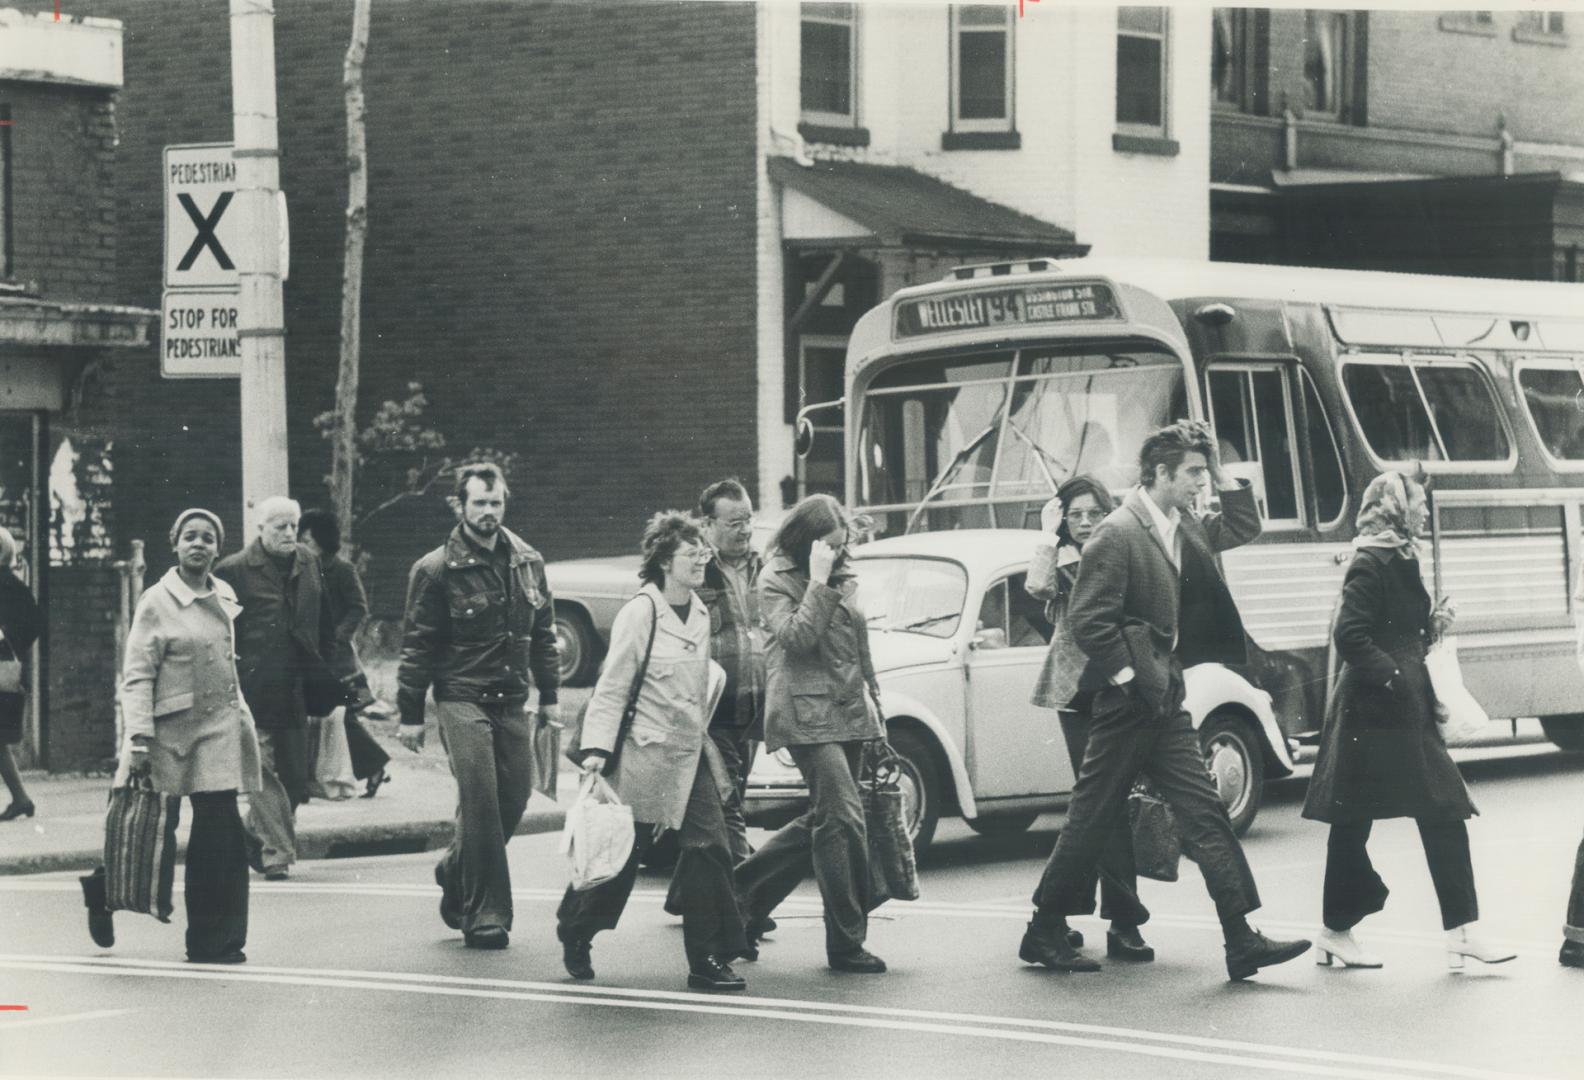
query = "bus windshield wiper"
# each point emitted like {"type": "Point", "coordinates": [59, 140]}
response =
{"type": "Point", "coordinates": [1042, 456]}
{"type": "Point", "coordinates": [951, 469]}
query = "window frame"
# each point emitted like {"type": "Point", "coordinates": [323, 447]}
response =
{"type": "Point", "coordinates": [1336, 450]}
{"type": "Point", "coordinates": [1341, 78]}
{"type": "Point", "coordinates": [1544, 33]}
{"type": "Point", "coordinates": [1412, 360]}
{"type": "Point", "coordinates": [1241, 49]}
{"type": "Point", "coordinates": [1469, 21]}
{"type": "Point", "coordinates": [1546, 363]}
{"type": "Point", "coordinates": [1008, 29]}
{"type": "Point", "coordinates": [1162, 130]}
{"type": "Point", "coordinates": [1279, 368]}
{"type": "Point", "coordinates": [817, 117]}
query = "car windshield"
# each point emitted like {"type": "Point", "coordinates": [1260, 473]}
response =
{"type": "Point", "coordinates": [916, 595]}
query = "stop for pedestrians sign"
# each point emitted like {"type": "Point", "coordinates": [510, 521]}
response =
{"type": "Point", "coordinates": [201, 237]}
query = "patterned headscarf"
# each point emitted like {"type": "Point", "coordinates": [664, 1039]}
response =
{"type": "Point", "coordinates": [1383, 518]}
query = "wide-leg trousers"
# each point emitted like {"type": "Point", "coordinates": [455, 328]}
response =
{"type": "Point", "coordinates": [1354, 890]}
{"type": "Point", "coordinates": [491, 751]}
{"type": "Point", "coordinates": [1119, 899]}
{"type": "Point", "coordinates": [712, 921]}
{"type": "Point", "coordinates": [216, 877]}
{"type": "Point", "coordinates": [271, 817]}
{"type": "Point", "coordinates": [1128, 736]}
{"type": "Point", "coordinates": [829, 838]}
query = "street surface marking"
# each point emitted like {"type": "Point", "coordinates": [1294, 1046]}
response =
{"type": "Point", "coordinates": [1016, 1029]}
{"type": "Point", "coordinates": [797, 907]}
{"type": "Point", "coordinates": [39, 1021]}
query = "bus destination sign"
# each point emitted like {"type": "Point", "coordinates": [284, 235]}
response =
{"type": "Point", "coordinates": [1001, 307]}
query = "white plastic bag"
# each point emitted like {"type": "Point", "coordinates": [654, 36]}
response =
{"type": "Point", "coordinates": [598, 836]}
{"type": "Point", "coordinates": [329, 758]}
{"type": "Point", "coordinates": [1459, 717]}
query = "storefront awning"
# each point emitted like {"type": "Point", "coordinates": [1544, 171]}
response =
{"type": "Point", "coordinates": [848, 204]}
{"type": "Point", "coordinates": [26, 321]}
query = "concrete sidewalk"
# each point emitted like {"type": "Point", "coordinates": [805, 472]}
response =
{"type": "Point", "coordinates": [413, 812]}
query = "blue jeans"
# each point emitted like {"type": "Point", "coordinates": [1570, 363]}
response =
{"type": "Point", "coordinates": [490, 747]}
{"type": "Point", "coordinates": [829, 838]}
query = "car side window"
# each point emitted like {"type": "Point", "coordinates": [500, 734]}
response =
{"type": "Point", "coordinates": [991, 632]}
{"type": "Point", "coordinates": [1026, 622]}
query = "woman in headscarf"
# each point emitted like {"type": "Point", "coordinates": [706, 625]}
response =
{"type": "Point", "coordinates": [1068, 521]}
{"type": "Point", "coordinates": [1380, 753]}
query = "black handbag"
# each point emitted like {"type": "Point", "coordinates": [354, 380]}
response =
{"type": "Point", "coordinates": [893, 870]}
{"type": "Point", "coordinates": [574, 749]}
{"type": "Point", "coordinates": [1157, 848]}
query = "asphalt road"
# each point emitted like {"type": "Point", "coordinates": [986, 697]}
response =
{"type": "Point", "coordinates": [351, 973]}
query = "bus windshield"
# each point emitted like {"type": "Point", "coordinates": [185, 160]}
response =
{"type": "Point", "coordinates": [983, 439]}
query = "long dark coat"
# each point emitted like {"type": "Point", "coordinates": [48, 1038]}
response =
{"type": "Point", "coordinates": [1380, 753]}
{"type": "Point", "coordinates": [277, 633]}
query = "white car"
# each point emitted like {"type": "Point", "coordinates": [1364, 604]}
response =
{"type": "Point", "coordinates": [958, 644]}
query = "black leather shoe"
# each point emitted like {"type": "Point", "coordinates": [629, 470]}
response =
{"type": "Point", "coordinates": [857, 962]}
{"type": "Point", "coordinates": [750, 952]}
{"type": "Point", "coordinates": [713, 973]}
{"type": "Point", "coordinates": [577, 955]}
{"type": "Point", "coordinates": [487, 937]}
{"type": "Point", "coordinates": [1128, 944]}
{"type": "Point", "coordinates": [101, 927]}
{"type": "Point", "coordinates": [1053, 950]}
{"type": "Point", "coordinates": [1572, 954]}
{"type": "Point", "coordinates": [761, 927]}
{"type": "Point", "coordinates": [1247, 955]}
{"type": "Point", "coordinates": [18, 809]}
{"type": "Point", "coordinates": [448, 914]}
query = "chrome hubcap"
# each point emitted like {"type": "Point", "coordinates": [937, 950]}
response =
{"type": "Point", "coordinates": [1230, 772]}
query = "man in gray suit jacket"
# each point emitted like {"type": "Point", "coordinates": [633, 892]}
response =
{"type": "Point", "coordinates": [1124, 614]}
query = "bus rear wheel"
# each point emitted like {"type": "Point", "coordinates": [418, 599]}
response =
{"type": "Point", "coordinates": [1566, 731]}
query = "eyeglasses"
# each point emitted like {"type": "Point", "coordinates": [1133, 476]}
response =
{"type": "Point", "coordinates": [699, 554]}
{"type": "Point", "coordinates": [1086, 515]}
{"type": "Point", "coordinates": [735, 524]}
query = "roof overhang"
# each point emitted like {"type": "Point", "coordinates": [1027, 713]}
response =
{"type": "Point", "coordinates": [38, 323]}
{"type": "Point", "coordinates": [845, 204]}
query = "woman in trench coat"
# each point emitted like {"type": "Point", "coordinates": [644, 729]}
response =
{"type": "Point", "coordinates": [187, 726]}
{"type": "Point", "coordinates": [668, 770]}
{"type": "Point", "coordinates": [819, 688]}
{"type": "Point", "coordinates": [1380, 753]}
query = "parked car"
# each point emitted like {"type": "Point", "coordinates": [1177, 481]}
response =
{"type": "Point", "coordinates": [588, 594]}
{"type": "Point", "coordinates": [958, 644]}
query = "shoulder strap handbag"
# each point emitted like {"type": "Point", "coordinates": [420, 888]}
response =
{"type": "Point", "coordinates": [575, 742]}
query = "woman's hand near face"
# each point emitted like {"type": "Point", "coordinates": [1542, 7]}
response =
{"type": "Point", "coordinates": [822, 557]}
{"type": "Point", "coordinates": [1051, 516]}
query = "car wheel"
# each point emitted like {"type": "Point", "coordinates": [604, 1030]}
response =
{"type": "Point", "coordinates": [1566, 731]}
{"type": "Point", "coordinates": [921, 787]}
{"type": "Point", "coordinates": [1002, 824]}
{"type": "Point", "coordinates": [577, 646]}
{"type": "Point", "coordinates": [1236, 761]}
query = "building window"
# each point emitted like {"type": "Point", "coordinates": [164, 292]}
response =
{"type": "Point", "coordinates": [981, 67]}
{"type": "Point", "coordinates": [1326, 69]}
{"type": "Point", "coordinates": [1141, 106]}
{"type": "Point", "coordinates": [1232, 61]}
{"type": "Point", "coordinates": [1469, 22]}
{"type": "Point", "coordinates": [6, 268]}
{"type": "Point", "coordinates": [1544, 27]}
{"type": "Point", "coordinates": [830, 64]}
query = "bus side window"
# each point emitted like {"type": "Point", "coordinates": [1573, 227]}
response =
{"type": "Point", "coordinates": [1330, 486]}
{"type": "Point", "coordinates": [1251, 410]}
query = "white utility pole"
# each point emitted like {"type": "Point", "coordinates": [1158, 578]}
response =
{"type": "Point", "coordinates": [260, 317]}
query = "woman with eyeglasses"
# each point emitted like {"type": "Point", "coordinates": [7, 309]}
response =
{"type": "Point", "coordinates": [1067, 522]}
{"type": "Point", "coordinates": [668, 770]}
{"type": "Point", "coordinates": [819, 689]}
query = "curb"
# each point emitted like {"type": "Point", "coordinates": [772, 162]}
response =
{"type": "Point", "coordinates": [398, 838]}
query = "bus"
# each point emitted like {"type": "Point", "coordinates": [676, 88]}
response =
{"type": "Point", "coordinates": [967, 401]}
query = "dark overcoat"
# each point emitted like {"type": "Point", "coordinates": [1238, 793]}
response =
{"type": "Point", "coordinates": [277, 633]}
{"type": "Point", "coordinates": [1380, 754]}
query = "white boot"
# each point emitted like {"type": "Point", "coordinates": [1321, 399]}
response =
{"type": "Point", "coordinates": [1340, 945]}
{"type": "Point", "coordinates": [1462, 941]}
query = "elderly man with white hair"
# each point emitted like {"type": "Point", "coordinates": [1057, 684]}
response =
{"type": "Point", "coordinates": [277, 582]}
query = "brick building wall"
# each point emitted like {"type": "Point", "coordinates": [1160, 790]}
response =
{"type": "Point", "coordinates": [62, 198]}
{"type": "Point", "coordinates": [560, 249]}
{"type": "Point", "coordinates": [82, 667]}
